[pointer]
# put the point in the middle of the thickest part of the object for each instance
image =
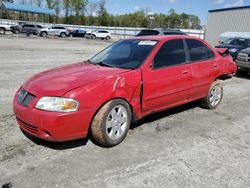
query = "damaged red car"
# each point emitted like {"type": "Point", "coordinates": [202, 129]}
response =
{"type": "Point", "coordinates": [125, 82]}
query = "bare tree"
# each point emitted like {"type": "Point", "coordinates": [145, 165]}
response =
{"type": "Point", "coordinates": [92, 9]}
{"type": "Point", "coordinates": [39, 2]}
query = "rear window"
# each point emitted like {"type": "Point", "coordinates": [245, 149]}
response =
{"type": "Point", "coordinates": [147, 33]}
{"type": "Point", "coordinates": [198, 51]}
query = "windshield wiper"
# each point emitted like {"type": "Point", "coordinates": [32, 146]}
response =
{"type": "Point", "coordinates": [104, 64]}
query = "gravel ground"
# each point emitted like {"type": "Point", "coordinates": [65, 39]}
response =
{"type": "Point", "coordinates": [182, 147]}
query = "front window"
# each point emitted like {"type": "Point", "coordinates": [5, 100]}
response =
{"type": "Point", "coordinates": [127, 54]}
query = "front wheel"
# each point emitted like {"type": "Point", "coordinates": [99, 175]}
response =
{"type": "Point", "coordinates": [214, 97]}
{"type": "Point", "coordinates": [111, 124]}
{"type": "Point", "coordinates": [44, 34]}
{"type": "Point", "coordinates": [108, 38]}
{"type": "Point", "coordinates": [2, 31]}
{"type": "Point", "coordinates": [16, 31]}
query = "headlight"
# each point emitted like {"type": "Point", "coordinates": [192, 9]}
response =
{"type": "Point", "coordinates": [57, 104]}
{"type": "Point", "coordinates": [233, 50]}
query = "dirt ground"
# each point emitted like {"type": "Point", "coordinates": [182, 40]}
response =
{"type": "Point", "coordinates": [182, 147]}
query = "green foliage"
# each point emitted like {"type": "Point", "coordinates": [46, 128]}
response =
{"type": "Point", "coordinates": [83, 12]}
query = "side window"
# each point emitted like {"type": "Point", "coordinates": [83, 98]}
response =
{"type": "Point", "coordinates": [210, 53]}
{"type": "Point", "coordinates": [171, 53]}
{"type": "Point", "coordinates": [197, 50]}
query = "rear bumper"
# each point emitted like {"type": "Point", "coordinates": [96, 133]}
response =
{"type": "Point", "coordinates": [51, 126]}
{"type": "Point", "coordinates": [243, 64]}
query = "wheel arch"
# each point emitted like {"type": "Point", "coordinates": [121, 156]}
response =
{"type": "Point", "coordinates": [133, 118]}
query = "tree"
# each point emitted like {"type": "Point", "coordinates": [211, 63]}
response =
{"type": "Point", "coordinates": [39, 2]}
{"type": "Point", "coordinates": [50, 3]}
{"type": "Point", "coordinates": [103, 14]}
{"type": "Point", "coordinates": [57, 7]}
{"type": "Point", "coordinates": [66, 5]}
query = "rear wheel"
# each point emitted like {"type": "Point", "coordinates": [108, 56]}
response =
{"type": "Point", "coordinates": [63, 35]}
{"type": "Point", "coordinates": [2, 31]}
{"type": "Point", "coordinates": [214, 97]}
{"type": "Point", "coordinates": [111, 124]}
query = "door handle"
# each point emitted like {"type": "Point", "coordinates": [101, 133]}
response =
{"type": "Point", "coordinates": [185, 72]}
{"type": "Point", "coordinates": [215, 66]}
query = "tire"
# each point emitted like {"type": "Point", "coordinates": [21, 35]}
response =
{"type": "Point", "coordinates": [16, 31]}
{"type": "Point", "coordinates": [214, 97]}
{"type": "Point", "coordinates": [2, 31]}
{"type": "Point", "coordinates": [111, 123]}
{"type": "Point", "coordinates": [44, 34]}
{"type": "Point", "coordinates": [241, 72]}
{"type": "Point", "coordinates": [93, 37]}
{"type": "Point", "coordinates": [63, 35]}
{"type": "Point", "coordinates": [108, 38]}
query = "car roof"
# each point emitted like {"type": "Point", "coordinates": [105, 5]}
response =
{"type": "Point", "coordinates": [164, 37]}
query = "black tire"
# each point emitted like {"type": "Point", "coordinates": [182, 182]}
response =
{"type": "Point", "coordinates": [63, 35]}
{"type": "Point", "coordinates": [241, 72]}
{"type": "Point", "coordinates": [17, 31]}
{"type": "Point", "coordinates": [2, 31]}
{"type": "Point", "coordinates": [93, 37]}
{"type": "Point", "coordinates": [44, 34]}
{"type": "Point", "coordinates": [206, 101]}
{"type": "Point", "coordinates": [99, 127]}
{"type": "Point", "coordinates": [108, 38]}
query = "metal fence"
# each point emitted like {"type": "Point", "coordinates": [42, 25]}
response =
{"type": "Point", "coordinates": [120, 31]}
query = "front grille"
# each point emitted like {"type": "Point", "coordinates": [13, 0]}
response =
{"type": "Point", "coordinates": [25, 98]}
{"type": "Point", "coordinates": [28, 127]}
{"type": "Point", "coordinates": [244, 57]}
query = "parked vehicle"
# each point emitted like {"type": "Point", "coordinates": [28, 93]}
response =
{"type": "Point", "coordinates": [148, 32]}
{"type": "Point", "coordinates": [77, 33]}
{"type": "Point", "coordinates": [26, 28]}
{"type": "Point", "coordinates": [4, 28]}
{"type": "Point", "coordinates": [102, 34]}
{"type": "Point", "coordinates": [230, 35]}
{"type": "Point", "coordinates": [15, 29]}
{"type": "Point", "coordinates": [125, 82]}
{"type": "Point", "coordinates": [243, 62]}
{"type": "Point", "coordinates": [235, 45]}
{"type": "Point", "coordinates": [54, 30]}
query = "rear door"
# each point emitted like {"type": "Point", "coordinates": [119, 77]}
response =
{"type": "Point", "coordinates": [168, 81]}
{"type": "Point", "coordinates": [204, 66]}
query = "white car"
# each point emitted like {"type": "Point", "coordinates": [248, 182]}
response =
{"type": "Point", "coordinates": [54, 30]}
{"type": "Point", "coordinates": [102, 34]}
{"type": "Point", "coordinates": [4, 28]}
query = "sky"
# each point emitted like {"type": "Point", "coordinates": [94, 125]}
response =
{"type": "Point", "coordinates": [195, 7]}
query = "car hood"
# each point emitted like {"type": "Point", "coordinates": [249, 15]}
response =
{"type": "Point", "coordinates": [58, 81]}
{"type": "Point", "coordinates": [247, 50]}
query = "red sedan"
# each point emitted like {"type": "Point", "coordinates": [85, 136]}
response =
{"type": "Point", "coordinates": [125, 82]}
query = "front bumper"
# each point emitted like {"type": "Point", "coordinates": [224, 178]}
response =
{"type": "Point", "coordinates": [243, 64]}
{"type": "Point", "coordinates": [51, 126]}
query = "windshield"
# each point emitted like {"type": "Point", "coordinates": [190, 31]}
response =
{"type": "Point", "coordinates": [127, 54]}
{"type": "Point", "coordinates": [147, 33]}
{"type": "Point", "coordinates": [228, 41]}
